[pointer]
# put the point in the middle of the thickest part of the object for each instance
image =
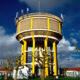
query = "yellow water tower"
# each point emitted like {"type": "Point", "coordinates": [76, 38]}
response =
{"type": "Point", "coordinates": [39, 30]}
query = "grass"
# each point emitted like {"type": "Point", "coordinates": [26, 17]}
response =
{"type": "Point", "coordinates": [62, 78]}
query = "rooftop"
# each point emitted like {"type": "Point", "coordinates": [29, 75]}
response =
{"type": "Point", "coordinates": [73, 69]}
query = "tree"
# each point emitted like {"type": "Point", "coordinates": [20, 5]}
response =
{"type": "Point", "coordinates": [64, 70]}
{"type": "Point", "coordinates": [76, 47]}
{"type": "Point", "coordinates": [8, 68]}
{"type": "Point", "coordinates": [18, 63]}
{"type": "Point", "coordinates": [41, 57]}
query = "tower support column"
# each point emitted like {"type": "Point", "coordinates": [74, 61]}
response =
{"type": "Point", "coordinates": [22, 57]}
{"type": "Point", "coordinates": [46, 57]}
{"type": "Point", "coordinates": [33, 57]}
{"type": "Point", "coordinates": [25, 54]}
{"type": "Point", "coordinates": [23, 51]}
{"type": "Point", "coordinates": [33, 45]}
{"type": "Point", "coordinates": [55, 67]}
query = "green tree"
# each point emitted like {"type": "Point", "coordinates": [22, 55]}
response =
{"type": "Point", "coordinates": [41, 57]}
{"type": "Point", "coordinates": [8, 68]}
{"type": "Point", "coordinates": [17, 64]}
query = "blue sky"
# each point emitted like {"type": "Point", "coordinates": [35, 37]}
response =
{"type": "Point", "coordinates": [67, 55]}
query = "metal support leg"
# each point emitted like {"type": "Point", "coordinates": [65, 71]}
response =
{"type": "Point", "coordinates": [46, 63]}
{"type": "Point", "coordinates": [55, 67]}
{"type": "Point", "coordinates": [22, 57]}
{"type": "Point", "coordinates": [23, 51]}
{"type": "Point", "coordinates": [25, 47]}
{"type": "Point", "coordinates": [33, 58]}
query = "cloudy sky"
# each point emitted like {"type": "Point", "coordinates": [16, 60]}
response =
{"type": "Point", "coordinates": [67, 55]}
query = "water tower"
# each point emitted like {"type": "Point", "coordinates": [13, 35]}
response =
{"type": "Point", "coordinates": [39, 30]}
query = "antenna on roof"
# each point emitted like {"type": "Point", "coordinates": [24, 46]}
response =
{"type": "Point", "coordinates": [62, 17]}
{"type": "Point", "coordinates": [22, 11]}
{"type": "Point", "coordinates": [27, 10]}
{"type": "Point", "coordinates": [17, 14]}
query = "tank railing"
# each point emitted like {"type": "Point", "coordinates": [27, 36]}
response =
{"type": "Point", "coordinates": [27, 13]}
{"type": "Point", "coordinates": [51, 51]}
{"type": "Point", "coordinates": [38, 50]}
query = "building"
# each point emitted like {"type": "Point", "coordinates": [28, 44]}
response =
{"type": "Point", "coordinates": [3, 72]}
{"type": "Point", "coordinates": [73, 72]}
{"type": "Point", "coordinates": [39, 30]}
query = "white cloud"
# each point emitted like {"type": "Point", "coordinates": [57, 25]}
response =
{"type": "Point", "coordinates": [75, 33]}
{"type": "Point", "coordinates": [9, 46]}
{"type": "Point", "coordinates": [67, 55]}
{"type": "Point", "coordinates": [46, 5]}
{"type": "Point", "coordinates": [69, 62]}
{"type": "Point", "coordinates": [2, 31]}
{"type": "Point", "coordinates": [65, 46]}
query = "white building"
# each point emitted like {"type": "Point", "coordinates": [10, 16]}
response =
{"type": "Point", "coordinates": [73, 72]}
{"type": "Point", "coordinates": [3, 72]}
{"type": "Point", "coordinates": [23, 72]}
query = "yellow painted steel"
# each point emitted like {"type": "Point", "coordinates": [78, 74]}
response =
{"type": "Point", "coordinates": [60, 27]}
{"type": "Point", "coordinates": [22, 57]}
{"type": "Point", "coordinates": [33, 59]}
{"type": "Point", "coordinates": [24, 47]}
{"type": "Point", "coordinates": [25, 54]}
{"type": "Point", "coordinates": [55, 59]}
{"type": "Point", "coordinates": [33, 56]}
{"type": "Point", "coordinates": [31, 22]}
{"type": "Point", "coordinates": [46, 47]}
{"type": "Point", "coordinates": [46, 62]}
{"type": "Point", "coordinates": [48, 23]}
{"type": "Point", "coordinates": [19, 26]}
